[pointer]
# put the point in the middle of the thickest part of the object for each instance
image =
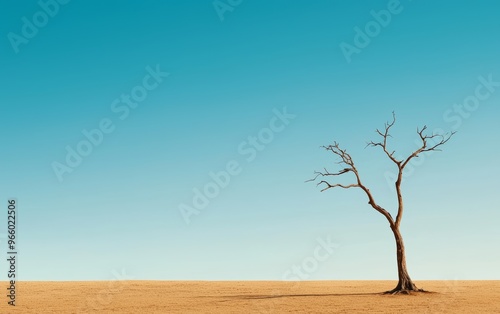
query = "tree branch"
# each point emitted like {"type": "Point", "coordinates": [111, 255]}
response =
{"type": "Point", "coordinates": [327, 173]}
{"type": "Point", "coordinates": [329, 186]}
{"type": "Point", "coordinates": [443, 139]}
{"type": "Point", "coordinates": [385, 135]}
{"type": "Point", "coordinates": [430, 142]}
{"type": "Point", "coordinates": [425, 148]}
{"type": "Point", "coordinates": [348, 163]}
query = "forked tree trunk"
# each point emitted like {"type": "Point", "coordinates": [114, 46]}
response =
{"type": "Point", "coordinates": [405, 284]}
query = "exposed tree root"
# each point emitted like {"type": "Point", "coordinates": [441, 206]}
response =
{"type": "Point", "coordinates": [406, 291]}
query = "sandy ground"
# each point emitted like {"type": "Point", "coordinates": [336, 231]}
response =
{"type": "Point", "coordinates": [251, 297]}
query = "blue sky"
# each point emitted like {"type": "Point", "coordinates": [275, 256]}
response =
{"type": "Point", "coordinates": [118, 209]}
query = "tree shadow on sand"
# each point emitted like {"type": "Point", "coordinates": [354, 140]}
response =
{"type": "Point", "coordinates": [276, 296]}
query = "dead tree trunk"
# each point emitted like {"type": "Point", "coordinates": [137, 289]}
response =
{"type": "Point", "coordinates": [405, 284]}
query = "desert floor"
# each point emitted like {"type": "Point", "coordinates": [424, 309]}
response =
{"type": "Point", "coordinates": [251, 297]}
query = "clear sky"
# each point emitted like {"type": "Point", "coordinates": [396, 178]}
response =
{"type": "Point", "coordinates": [233, 68]}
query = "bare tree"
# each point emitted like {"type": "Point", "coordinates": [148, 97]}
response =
{"type": "Point", "coordinates": [429, 143]}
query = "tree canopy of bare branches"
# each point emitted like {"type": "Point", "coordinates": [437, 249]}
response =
{"type": "Point", "coordinates": [325, 179]}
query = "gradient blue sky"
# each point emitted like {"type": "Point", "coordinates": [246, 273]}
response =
{"type": "Point", "coordinates": [119, 208]}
